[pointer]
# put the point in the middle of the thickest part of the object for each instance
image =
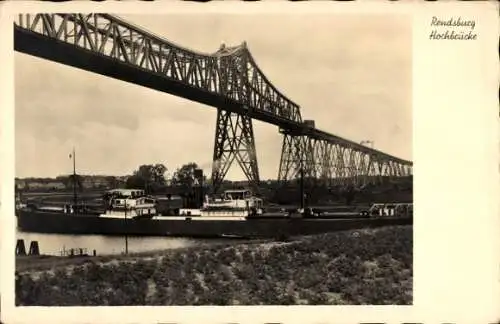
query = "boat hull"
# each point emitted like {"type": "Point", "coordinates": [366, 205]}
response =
{"type": "Point", "coordinates": [57, 223]}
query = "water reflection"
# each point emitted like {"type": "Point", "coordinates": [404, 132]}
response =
{"type": "Point", "coordinates": [53, 244]}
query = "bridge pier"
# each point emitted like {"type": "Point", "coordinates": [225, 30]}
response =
{"type": "Point", "coordinates": [298, 155]}
{"type": "Point", "coordinates": [234, 140]}
{"type": "Point", "coordinates": [291, 158]}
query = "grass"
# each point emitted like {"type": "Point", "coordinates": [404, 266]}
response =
{"type": "Point", "coordinates": [352, 267]}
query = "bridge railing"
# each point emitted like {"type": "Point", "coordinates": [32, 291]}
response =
{"type": "Point", "coordinates": [231, 74]}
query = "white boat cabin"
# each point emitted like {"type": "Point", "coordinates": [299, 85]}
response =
{"type": "Point", "coordinates": [233, 203]}
{"type": "Point", "coordinates": [391, 209]}
{"type": "Point", "coordinates": [129, 203]}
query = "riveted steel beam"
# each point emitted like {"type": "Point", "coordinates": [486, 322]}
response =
{"type": "Point", "coordinates": [336, 164]}
{"type": "Point", "coordinates": [234, 140]}
{"type": "Point", "coordinates": [112, 37]}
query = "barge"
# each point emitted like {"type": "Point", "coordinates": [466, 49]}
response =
{"type": "Point", "coordinates": [236, 214]}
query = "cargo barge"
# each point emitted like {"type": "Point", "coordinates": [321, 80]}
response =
{"type": "Point", "coordinates": [236, 214]}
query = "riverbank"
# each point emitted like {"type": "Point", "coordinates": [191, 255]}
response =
{"type": "Point", "coordinates": [353, 267]}
{"type": "Point", "coordinates": [39, 263]}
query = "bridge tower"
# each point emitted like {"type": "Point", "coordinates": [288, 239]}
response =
{"type": "Point", "coordinates": [291, 157]}
{"type": "Point", "coordinates": [234, 140]}
{"type": "Point", "coordinates": [234, 137]}
{"type": "Point", "coordinates": [297, 155]}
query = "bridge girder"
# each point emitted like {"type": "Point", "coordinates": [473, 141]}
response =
{"type": "Point", "coordinates": [328, 163]}
{"type": "Point", "coordinates": [112, 37]}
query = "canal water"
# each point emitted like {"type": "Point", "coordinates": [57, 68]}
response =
{"type": "Point", "coordinates": [54, 244]}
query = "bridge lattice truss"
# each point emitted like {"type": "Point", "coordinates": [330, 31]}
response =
{"type": "Point", "coordinates": [228, 79]}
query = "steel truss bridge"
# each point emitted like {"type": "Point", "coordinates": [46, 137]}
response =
{"type": "Point", "coordinates": [228, 79]}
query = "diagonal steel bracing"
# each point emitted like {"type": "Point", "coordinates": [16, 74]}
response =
{"type": "Point", "coordinates": [335, 164]}
{"type": "Point", "coordinates": [234, 140]}
{"type": "Point", "coordinates": [291, 158]}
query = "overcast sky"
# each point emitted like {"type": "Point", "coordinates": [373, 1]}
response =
{"type": "Point", "coordinates": [350, 73]}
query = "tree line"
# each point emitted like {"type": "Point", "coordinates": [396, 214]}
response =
{"type": "Point", "coordinates": [151, 177]}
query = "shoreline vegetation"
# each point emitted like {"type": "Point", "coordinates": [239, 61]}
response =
{"type": "Point", "coordinates": [369, 266]}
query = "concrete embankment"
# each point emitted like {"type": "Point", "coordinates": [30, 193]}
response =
{"type": "Point", "coordinates": [369, 266]}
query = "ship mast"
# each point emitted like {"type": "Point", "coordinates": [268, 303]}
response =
{"type": "Point", "coordinates": [75, 199]}
{"type": "Point", "coordinates": [302, 191]}
{"type": "Point", "coordinates": [301, 184]}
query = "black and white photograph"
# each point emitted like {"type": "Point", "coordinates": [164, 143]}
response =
{"type": "Point", "coordinates": [249, 162]}
{"type": "Point", "coordinates": [218, 159]}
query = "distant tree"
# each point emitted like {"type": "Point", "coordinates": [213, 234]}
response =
{"type": "Point", "coordinates": [69, 182]}
{"type": "Point", "coordinates": [112, 181]}
{"type": "Point", "coordinates": [149, 177]}
{"type": "Point", "coordinates": [184, 176]}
